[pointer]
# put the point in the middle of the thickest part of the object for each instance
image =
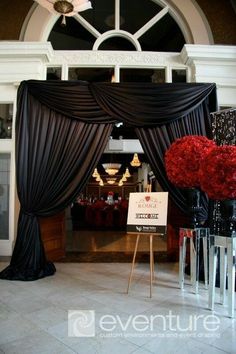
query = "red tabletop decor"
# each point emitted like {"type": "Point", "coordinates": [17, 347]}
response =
{"type": "Point", "coordinates": [218, 173]}
{"type": "Point", "coordinates": [183, 158]}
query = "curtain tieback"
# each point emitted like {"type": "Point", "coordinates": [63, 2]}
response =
{"type": "Point", "coordinates": [28, 213]}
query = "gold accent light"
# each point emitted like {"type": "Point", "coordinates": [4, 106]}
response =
{"type": "Point", "coordinates": [95, 173]}
{"type": "Point", "coordinates": [111, 180]}
{"type": "Point", "coordinates": [111, 168]}
{"type": "Point", "coordinates": [135, 162]}
{"type": "Point", "coordinates": [127, 174]}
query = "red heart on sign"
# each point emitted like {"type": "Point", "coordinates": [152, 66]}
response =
{"type": "Point", "coordinates": [147, 198]}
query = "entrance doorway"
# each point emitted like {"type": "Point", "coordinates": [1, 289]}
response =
{"type": "Point", "coordinates": [95, 223]}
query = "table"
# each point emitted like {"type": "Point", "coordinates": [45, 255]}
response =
{"type": "Point", "coordinates": [100, 215]}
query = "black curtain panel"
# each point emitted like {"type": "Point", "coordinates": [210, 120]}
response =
{"type": "Point", "coordinates": [62, 128]}
{"type": "Point", "coordinates": [55, 158]}
{"type": "Point", "coordinates": [155, 141]}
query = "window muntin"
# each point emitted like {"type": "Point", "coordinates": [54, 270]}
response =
{"type": "Point", "coordinates": [71, 37]}
{"type": "Point", "coordinates": [144, 21]}
{"type": "Point", "coordinates": [101, 16]}
{"type": "Point", "coordinates": [163, 36]}
{"type": "Point", "coordinates": [134, 14]}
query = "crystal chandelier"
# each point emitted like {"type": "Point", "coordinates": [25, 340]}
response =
{"type": "Point", "coordinates": [135, 162]}
{"type": "Point", "coordinates": [111, 168]}
{"type": "Point", "coordinates": [65, 7]}
{"type": "Point", "coordinates": [95, 173]}
{"type": "Point", "coordinates": [127, 174]}
{"type": "Point", "coordinates": [123, 179]}
{"type": "Point", "coordinates": [111, 180]}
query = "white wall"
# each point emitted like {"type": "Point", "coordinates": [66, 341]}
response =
{"type": "Point", "coordinates": [213, 64]}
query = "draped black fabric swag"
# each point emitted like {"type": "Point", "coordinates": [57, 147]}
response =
{"type": "Point", "coordinates": [62, 128]}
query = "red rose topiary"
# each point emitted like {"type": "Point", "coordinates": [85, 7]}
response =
{"type": "Point", "coordinates": [183, 158]}
{"type": "Point", "coordinates": [217, 173]}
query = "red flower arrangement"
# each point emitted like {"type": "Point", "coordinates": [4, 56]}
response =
{"type": "Point", "coordinates": [183, 158]}
{"type": "Point", "coordinates": [217, 173]}
{"type": "Point", "coordinates": [110, 193]}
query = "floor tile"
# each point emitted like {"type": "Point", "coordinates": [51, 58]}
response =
{"type": "Point", "coordinates": [227, 340]}
{"type": "Point", "coordinates": [101, 345]}
{"type": "Point", "coordinates": [47, 317]}
{"type": "Point", "coordinates": [36, 313]}
{"type": "Point", "coordinates": [15, 328]}
{"type": "Point", "coordinates": [6, 313]}
{"type": "Point", "coordinates": [36, 343]}
{"type": "Point", "coordinates": [141, 351]}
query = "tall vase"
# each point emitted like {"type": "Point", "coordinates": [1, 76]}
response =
{"type": "Point", "coordinates": [193, 196]}
{"type": "Point", "coordinates": [228, 217]}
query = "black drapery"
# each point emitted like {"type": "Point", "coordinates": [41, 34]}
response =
{"type": "Point", "coordinates": [61, 131]}
{"type": "Point", "coordinates": [155, 141]}
{"type": "Point", "coordinates": [55, 158]}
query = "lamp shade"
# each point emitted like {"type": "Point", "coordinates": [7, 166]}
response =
{"type": "Point", "coordinates": [65, 7]}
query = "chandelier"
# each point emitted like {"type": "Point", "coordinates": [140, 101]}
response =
{"type": "Point", "coordinates": [111, 168]}
{"type": "Point", "coordinates": [135, 162]}
{"type": "Point", "coordinates": [111, 180]}
{"type": "Point", "coordinates": [65, 7]}
{"type": "Point", "coordinates": [95, 173]}
{"type": "Point", "coordinates": [127, 174]}
{"type": "Point", "coordinates": [123, 179]}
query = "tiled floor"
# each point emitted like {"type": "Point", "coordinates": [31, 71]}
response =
{"type": "Point", "coordinates": [34, 315]}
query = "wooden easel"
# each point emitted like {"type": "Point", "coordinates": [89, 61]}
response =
{"type": "Point", "coordinates": [151, 259]}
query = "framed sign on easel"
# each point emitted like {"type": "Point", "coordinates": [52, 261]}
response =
{"type": "Point", "coordinates": [147, 215]}
{"type": "Point", "coordinates": [147, 212]}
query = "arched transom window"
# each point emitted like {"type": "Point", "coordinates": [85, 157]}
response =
{"type": "Point", "coordinates": [138, 25]}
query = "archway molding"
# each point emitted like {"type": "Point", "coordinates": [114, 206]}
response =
{"type": "Point", "coordinates": [188, 15]}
